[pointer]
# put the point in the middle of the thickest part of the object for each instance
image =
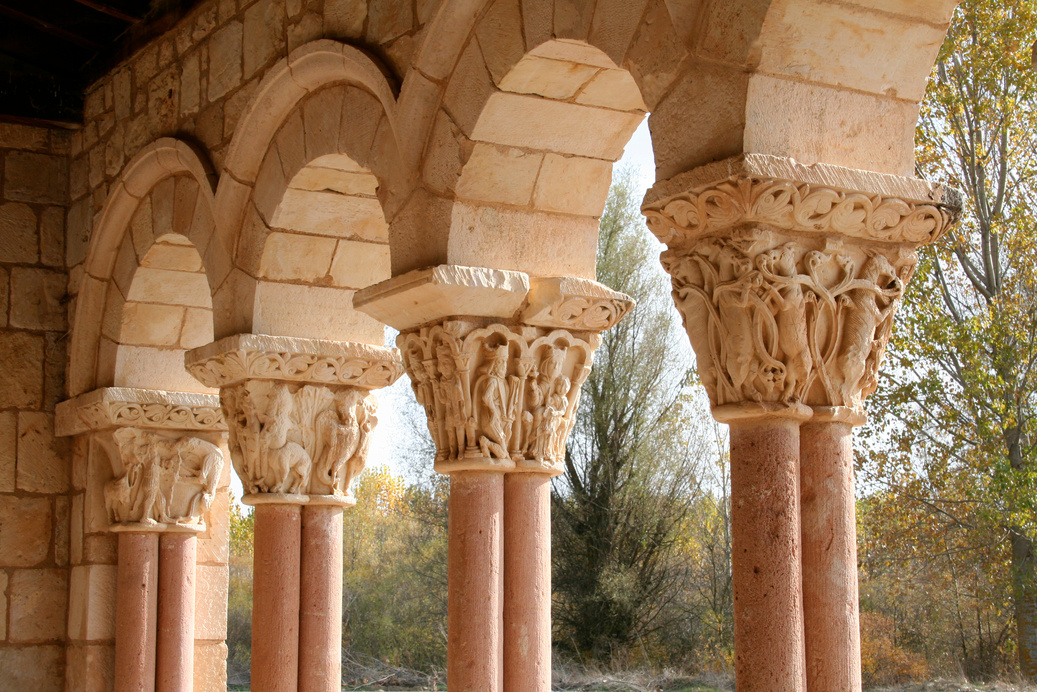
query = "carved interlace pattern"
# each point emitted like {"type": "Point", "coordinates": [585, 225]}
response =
{"type": "Point", "coordinates": [238, 365]}
{"type": "Point", "coordinates": [773, 320]}
{"type": "Point", "coordinates": [167, 478]}
{"type": "Point", "coordinates": [103, 414]}
{"type": "Point", "coordinates": [497, 396]}
{"type": "Point", "coordinates": [304, 439]}
{"type": "Point", "coordinates": [786, 205]}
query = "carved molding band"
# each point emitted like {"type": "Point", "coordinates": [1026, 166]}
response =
{"type": "Point", "coordinates": [498, 397]}
{"type": "Point", "coordinates": [298, 439]}
{"type": "Point", "coordinates": [111, 407]}
{"type": "Point", "coordinates": [250, 356]}
{"type": "Point", "coordinates": [168, 480]}
{"type": "Point", "coordinates": [574, 304]}
{"type": "Point", "coordinates": [790, 206]}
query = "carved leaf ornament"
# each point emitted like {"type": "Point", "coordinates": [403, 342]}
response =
{"type": "Point", "coordinates": [153, 415]}
{"type": "Point", "coordinates": [793, 206]}
{"type": "Point", "coordinates": [498, 396]}
{"type": "Point", "coordinates": [234, 366]}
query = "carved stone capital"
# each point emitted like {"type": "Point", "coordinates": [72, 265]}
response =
{"type": "Point", "coordinates": [496, 396]}
{"type": "Point", "coordinates": [162, 446]}
{"type": "Point", "coordinates": [496, 358]}
{"type": "Point", "coordinates": [788, 287]}
{"type": "Point", "coordinates": [299, 411]}
{"type": "Point", "coordinates": [298, 441]}
{"type": "Point", "coordinates": [168, 480]}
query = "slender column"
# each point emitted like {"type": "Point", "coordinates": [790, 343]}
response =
{"type": "Point", "coordinates": [527, 582]}
{"type": "Point", "coordinates": [830, 603]}
{"type": "Point", "coordinates": [496, 359]}
{"type": "Point", "coordinates": [474, 581]}
{"type": "Point", "coordinates": [788, 278]}
{"type": "Point", "coordinates": [275, 598]}
{"type": "Point", "coordinates": [320, 612]}
{"type": "Point", "coordinates": [136, 612]}
{"type": "Point", "coordinates": [768, 606]}
{"type": "Point", "coordinates": [176, 591]}
{"type": "Point", "coordinates": [300, 415]}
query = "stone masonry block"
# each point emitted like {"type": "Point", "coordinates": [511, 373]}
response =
{"type": "Point", "coordinates": [36, 668]}
{"type": "Point", "coordinates": [25, 531]}
{"type": "Point", "coordinates": [42, 458]}
{"type": "Point", "coordinates": [38, 298]}
{"type": "Point", "coordinates": [31, 177]}
{"type": "Point", "coordinates": [39, 599]}
{"type": "Point", "coordinates": [21, 369]}
{"type": "Point", "coordinates": [18, 230]}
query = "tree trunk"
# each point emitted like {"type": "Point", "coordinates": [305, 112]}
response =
{"type": "Point", "coordinates": [1023, 582]}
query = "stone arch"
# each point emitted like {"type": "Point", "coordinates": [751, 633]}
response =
{"type": "Point", "coordinates": [170, 169]}
{"type": "Point", "coordinates": [529, 195]}
{"type": "Point", "coordinates": [313, 163]}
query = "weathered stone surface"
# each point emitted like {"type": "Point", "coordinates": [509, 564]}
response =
{"type": "Point", "coordinates": [499, 174]}
{"type": "Point", "coordinates": [52, 236]}
{"type": "Point", "coordinates": [295, 257]}
{"type": "Point", "coordinates": [91, 667]}
{"type": "Point", "coordinates": [428, 295]}
{"type": "Point", "coordinates": [3, 606]}
{"type": "Point", "coordinates": [38, 298]}
{"type": "Point", "coordinates": [553, 79]}
{"type": "Point", "coordinates": [148, 324]}
{"type": "Point", "coordinates": [18, 229]}
{"type": "Point", "coordinates": [42, 458]}
{"type": "Point", "coordinates": [32, 177]}
{"type": "Point", "coordinates": [210, 666]}
{"type": "Point", "coordinates": [225, 60]}
{"type": "Point", "coordinates": [36, 668]}
{"type": "Point", "coordinates": [39, 600]}
{"type": "Point", "coordinates": [21, 370]}
{"type": "Point", "coordinates": [25, 530]}
{"type": "Point", "coordinates": [92, 603]}
{"type": "Point", "coordinates": [8, 442]}
{"type": "Point", "coordinates": [573, 185]}
{"type": "Point", "coordinates": [357, 265]}
{"type": "Point", "coordinates": [211, 602]}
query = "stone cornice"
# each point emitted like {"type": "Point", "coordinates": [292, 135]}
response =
{"type": "Point", "coordinates": [786, 195]}
{"type": "Point", "coordinates": [259, 357]}
{"type": "Point", "coordinates": [430, 296]}
{"type": "Point", "coordinates": [115, 407]}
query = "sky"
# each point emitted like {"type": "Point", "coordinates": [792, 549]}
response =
{"type": "Point", "coordinates": [391, 428]}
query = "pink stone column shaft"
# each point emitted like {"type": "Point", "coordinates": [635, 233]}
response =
{"type": "Point", "coordinates": [765, 561]}
{"type": "Point", "coordinates": [320, 612]}
{"type": "Point", "coordinates": [474, 579]}
{"type": "Point", "coordinates": [527, 582]}
{"type": "Point", "coordinates": [275, 598]}
{"type": "Point", "coordinates": [176, 590]}
{"type": "Point", "coordinates": [136, 611]}
{"type": "Point", "coordinates": [830, 603]}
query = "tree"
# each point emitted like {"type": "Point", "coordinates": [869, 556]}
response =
{"type": "Point", "coordinates": [961, 390]}
{"type": "Point", "coordinates": [630, 463]}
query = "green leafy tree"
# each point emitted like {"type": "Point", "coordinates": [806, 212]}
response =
{"type": "Point", "coordinates": [955, 442]}
{"type": "Point", "coordinates": [629, 475]}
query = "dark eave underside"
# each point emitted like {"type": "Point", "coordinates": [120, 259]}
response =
{"type": "Point", "coordinates": [50, 50]}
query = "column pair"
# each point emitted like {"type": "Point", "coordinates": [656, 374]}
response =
{"type": "Point", "coordinates": [299, 415]}
{"type": "Point", "coordinates": [787, 278]}
{"type": "Point", "coordinates": [167, 461]}
{"type": "Point", "coordinates": [496, 359]}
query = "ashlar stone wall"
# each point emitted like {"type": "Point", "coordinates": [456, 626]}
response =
{"type": "Point", "coordinates": [35, 474]}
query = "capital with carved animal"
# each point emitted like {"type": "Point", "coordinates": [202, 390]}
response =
{"type": "Point", "coordinates": [164, 449]}
{"type": "Point", "coordinates": [299, 412]}
{"type": "Point", "coordinates": [788, 277]}
{"type": "Point", "coordinates": [496, 358]}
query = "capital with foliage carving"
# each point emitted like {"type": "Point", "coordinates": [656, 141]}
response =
{"type": "Point", "coordinates": [299, 412]}
{"type": "Point", "coordinates": [788, 277]}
